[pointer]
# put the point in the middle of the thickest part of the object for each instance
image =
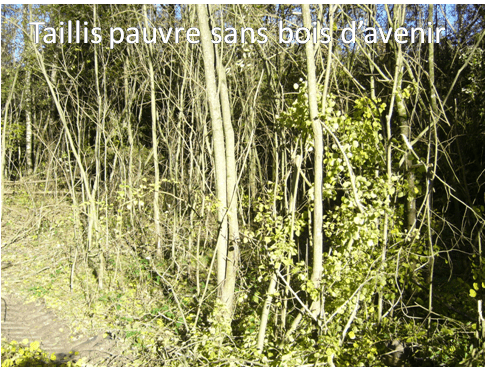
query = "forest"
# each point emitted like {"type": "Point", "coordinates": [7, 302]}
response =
{"type": "Point", "coordinates": [194, 185]}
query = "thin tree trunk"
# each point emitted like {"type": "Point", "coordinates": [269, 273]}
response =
{"type": "Point", "coordinates": [389, 155]}
{"type": "Point", "coordinates": [318, 146]}
{"type": "Point", "coordinates": [372, 55]}
{"type": "Point", "coordinates": [405, 125]}
{"type": "Point", "coordinates": [266, 311]}
{"type": "Point", "coordinates": [93, 213]}
{"type": "Point", "coordinates": [231, 190]}
{"type": "Point", "coordinates": [430, 176]}
{"type": "Point", "coordinates": [155, 144]}
{"type": "Point", "coordinates": [318, 157]}
{"type": "Point", "coordinates": [28, 106]}
{"type": "Point", "coordinates": [218, 142]}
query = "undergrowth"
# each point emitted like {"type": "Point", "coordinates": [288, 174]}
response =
{"type": "Point", "coordinates": [23, 354]}
{"type": "Point", "coordinates": [163, 309]}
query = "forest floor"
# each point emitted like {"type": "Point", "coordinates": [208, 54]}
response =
{"type": "Point", "coordinates": [50, 294]}
{"type": "Point", "coordinates": [37, 302]}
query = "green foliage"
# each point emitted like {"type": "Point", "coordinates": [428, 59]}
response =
{"type": "Point", "coordinates": [355, 269]}
{"type": "Point", "coordinates": [212, 339]}
{"type": "Point", "coordinates": [273, 233]}
{"type": "Point", "coordinates": [477, 270]}
{"type": "Point", "coordinates": [23, 354]}
{"type": "Point", "coordinates": [355, 239]}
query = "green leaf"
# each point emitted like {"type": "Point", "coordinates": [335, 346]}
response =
{"type": "Point", "coordinates": [34, 346]}
{"type": "Point", "coordinates": [472, 293]}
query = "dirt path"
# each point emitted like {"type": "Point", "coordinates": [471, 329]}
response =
{"type": "Point", "coordinates": [36, 302]}
{"type": "Point", "coordinates": [35, 322]}
{"type": "Point", "coordinates": [31, 238]}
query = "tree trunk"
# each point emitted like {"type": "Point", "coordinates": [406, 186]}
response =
{"type": "Point", "coordinates": [94, 237]}
{"type": "Point", "coordinates": [219, 150]}
{"type": "Point", "coordinates": [231, 190]}
{"type": "Point", "coordinates": [28, 106]}
{"type": "Point", "coordinates": [318, 157]}
{"type": "Point", "coordinates": [431, 175]}
{"type": "Point", "coordinates": [155, 144]}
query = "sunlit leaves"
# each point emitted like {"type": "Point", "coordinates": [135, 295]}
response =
{"type": "Point", "coordinates": [15, 354]}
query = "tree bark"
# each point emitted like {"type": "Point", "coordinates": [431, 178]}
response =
{"type": "Point", "coordinates": [431, 175]}
{"type": "Point", "coordinates": [219, 149]}
{"type": "Point", "coordinates": [318, 157]}
{"type": "Point", "coordinates": [155, 144]}
{"type": "Point", "coordinates": [231, 189]}
{"type": "Point", "coordinates": [93, 231]}
{"type": "Point", "coordinates": [28, 106]}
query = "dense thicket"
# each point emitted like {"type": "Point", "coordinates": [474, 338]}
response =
{"type": "Point", "coordinates": [193, 172]}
